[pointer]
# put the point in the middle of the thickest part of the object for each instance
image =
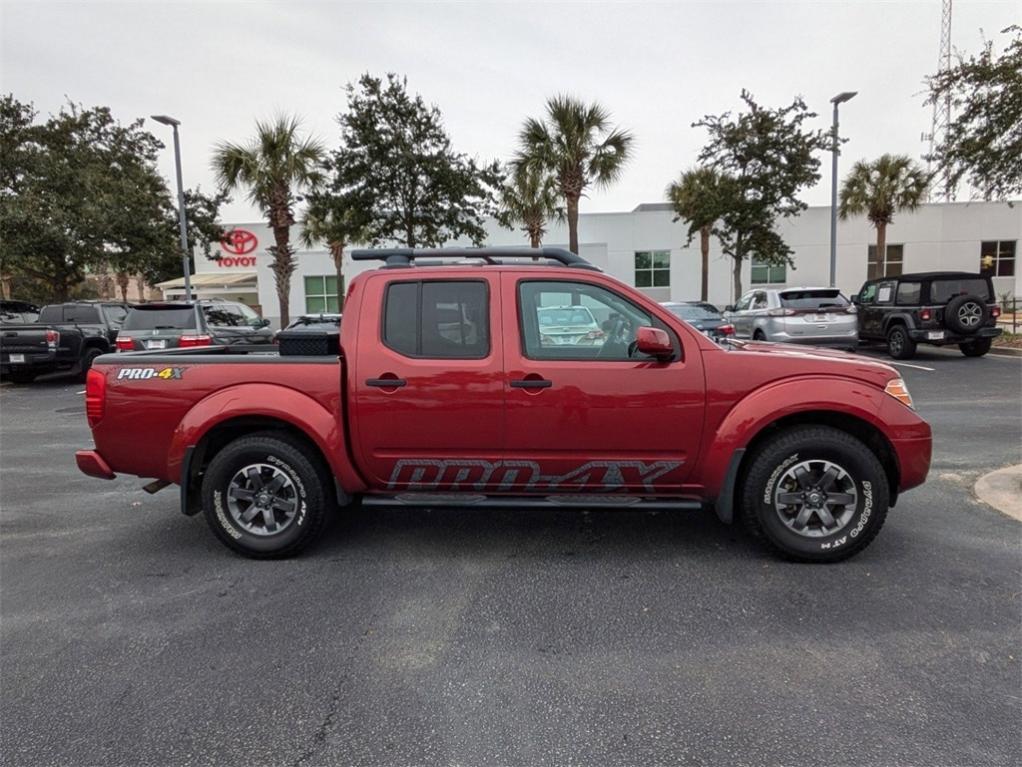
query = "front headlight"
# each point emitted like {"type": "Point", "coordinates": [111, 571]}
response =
{"type": "Point", "coordinates": [896, 388]}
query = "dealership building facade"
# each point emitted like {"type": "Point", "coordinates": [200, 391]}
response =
{"type": "Point", "coordinates": [646, 248]}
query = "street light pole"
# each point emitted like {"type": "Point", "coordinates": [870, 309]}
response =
{"type": "Point", "coordinates": [182, 217]}
{"type": "Point", "coordinates": [835, 150]}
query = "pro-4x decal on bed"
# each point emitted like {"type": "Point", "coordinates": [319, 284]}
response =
{"type": "Point", "coordinates": [472, 474]}
{"type": "Point", "coordinates": [144, 374]}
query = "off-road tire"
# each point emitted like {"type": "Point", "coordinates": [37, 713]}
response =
{"type": "Point", "coordinates": [309, 478]}
{"type": "Point", "coordinates": [90, 356]}
{"type": "Point", "coordinates": [766, 469]}
{"type": "Point", "coordinates": [979, 314]}
{"type": "Point", "coordinates": [976, 348]}
{"type": "Point", "coordinates": [899, 344]}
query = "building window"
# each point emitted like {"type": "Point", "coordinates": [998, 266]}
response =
{"type": "Point", "coordinates": [768, 274]}
{"type": "Point", "coordinates": [997, 258]}
{"type": "Point", "coordinates": [889, 268]}
{"type": "Point", "coordinates": [652, 268]}
{"type": "Point", "coordinates": [321, 294]}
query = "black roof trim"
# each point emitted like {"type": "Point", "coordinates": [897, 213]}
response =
{"type": "Point", "coordinates": [399, 258]}
{"type": "Point", "coordinates": [931, 276]}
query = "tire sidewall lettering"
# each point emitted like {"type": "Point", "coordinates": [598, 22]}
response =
{"type": "Point", "coordinates": [218, 509]}
{"type": "Point", "coordinates": [775, 476]}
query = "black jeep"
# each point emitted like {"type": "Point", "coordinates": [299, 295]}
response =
{"type": "Point", "coordinates": [938, 308]}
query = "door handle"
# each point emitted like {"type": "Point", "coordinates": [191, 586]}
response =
{"type": "Point", "coordinates": [532, 383]}
{"type": "Point", "coordinates": [386, 383]}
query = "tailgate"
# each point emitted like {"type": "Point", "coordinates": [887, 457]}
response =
{"type": "Point", "coordinates": [26, 344]}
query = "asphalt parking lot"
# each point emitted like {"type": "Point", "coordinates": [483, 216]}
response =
{"type": "Point", "coordinates": [129, 636]}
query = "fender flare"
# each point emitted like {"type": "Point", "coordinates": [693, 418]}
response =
{"type": "Point", "coordinates": [769, 404]}
{"type": "Point", "coordinates": [267, 400]}
{"type": "Point", "coordinates": [902, 318]}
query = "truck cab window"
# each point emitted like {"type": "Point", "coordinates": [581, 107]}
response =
{"type": "Point", "coordinates": [577, 321]}
{"type": "Point", "coordinates": [438, 319]}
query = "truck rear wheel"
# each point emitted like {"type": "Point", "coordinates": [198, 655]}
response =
{"type": "Point", "coordinates": [90, 356]}
{"type": "Point", "coordinates": [266, 495]}
{"type": "Point", "coordinates": [815, 494]}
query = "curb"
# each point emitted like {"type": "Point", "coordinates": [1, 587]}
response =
{"type": "Point", "coordinates": [1002, 489]}
{"type": "Point", "coordinates": [1005, 351]}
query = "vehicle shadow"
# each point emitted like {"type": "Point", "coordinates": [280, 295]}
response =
{"type": "Point", "coordinates": [459, 532]}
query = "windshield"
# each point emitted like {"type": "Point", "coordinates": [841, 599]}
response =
{"type": "Point", "coordinates": [942, 291]}
{"type": "Point", "coordinates": [821, 298]}
{"type": "Point", "coordinates": [164, 317]}
{"type": "Point", "coordinates": [694, 311]}
{"type": "Point", "coordinates": [577, 315]}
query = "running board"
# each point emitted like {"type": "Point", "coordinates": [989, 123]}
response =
{"type": "Point", "coordinates": [534, 502]}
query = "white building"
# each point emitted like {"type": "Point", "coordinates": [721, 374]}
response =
{"type": "Point", "coordinates": [644, 247]}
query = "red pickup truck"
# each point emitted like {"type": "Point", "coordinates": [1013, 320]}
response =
{"type": "Point", "coordinates": [452, 386]}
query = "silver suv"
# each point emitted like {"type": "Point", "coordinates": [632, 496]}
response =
{"type": "Point", "coordinates": [816, 316]}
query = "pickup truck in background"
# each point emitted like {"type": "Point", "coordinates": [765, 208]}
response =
{"type": "Point", "coordinates": [447, 391]}
{"type": "Point", "coordinates": [65, 337]}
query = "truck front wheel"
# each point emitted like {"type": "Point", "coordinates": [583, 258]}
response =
{"type": "Point", "coordinates": [815, 493]}
{"type": "Point", "coordinates": [266, 495]}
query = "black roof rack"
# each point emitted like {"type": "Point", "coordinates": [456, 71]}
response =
{"type": "Point", "coordinates": [397, 258]}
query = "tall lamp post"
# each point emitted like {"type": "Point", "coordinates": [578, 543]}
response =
{"type": "Point", "coordinates": [182, 218]}
{"type": "Point", "coordinates": [835, 150]}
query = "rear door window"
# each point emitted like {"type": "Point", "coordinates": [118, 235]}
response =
{"type": "Point", "coordinates": [438, 319]}
{"type": "Point", "coordinates": [162, 318]}
{"type": "Point", "coordinates": [908, 294]}
{"type": "Point", "coordinates": [942, 291]}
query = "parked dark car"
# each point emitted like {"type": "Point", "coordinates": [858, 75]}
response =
{"type": "Point", "coordinates": [64, 337]}
{"type": "Point", "coordinates": [13, 312]}
{"type": "Point", "coordinates": [313, 323]}
{"type": "Point", "coordinates": [938, 308]}
{"type": "Point", "coordinates": [702, 316]}
{"type": "Point", "coordinates": [182, 324]}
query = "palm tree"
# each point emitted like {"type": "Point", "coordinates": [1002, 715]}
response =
{"type": "Point", "coordinates": [697, 198]}
{"type": "Point", "coordinates": [577, 146]}
{"type": "Point", "coordinates": [328, 220]}
{"type": "Point", "coordinates": [529, 199]}
{"type": "Point", "coordinates": [880, 189]}
{"type": "Point", "coordinates": [275, 166]}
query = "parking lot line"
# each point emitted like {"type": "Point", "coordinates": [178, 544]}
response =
{"type": "Point", "coordinates": [905, 365]}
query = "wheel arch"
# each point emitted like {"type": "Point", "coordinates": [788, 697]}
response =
{"type": "Point", "coordinates": [895, 319]}
{"type": "Point", "coordinates": [224, 432]}
{"type": "Point", "coordinates": [746, 427]}
{"type": "Point", "coordinates": [861, 429]}
{"type": "Point", "coordinates": [235, 411]}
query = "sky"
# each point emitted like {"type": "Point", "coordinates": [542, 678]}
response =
{"type": "Point", "coordinates": [220, 66]}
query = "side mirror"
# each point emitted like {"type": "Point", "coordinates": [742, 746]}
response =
{"type": "Point", "coordinates": [654, 342]}
{"type": "Point", "coordinates": [260, 323]}
{"type": "Point", "coordinates": [855, 299]}
{"type": "Point", "coordinates": [729, 308]}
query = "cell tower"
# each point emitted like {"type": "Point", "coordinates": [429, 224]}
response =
{"type": "Point", "coordinates": [942, 189]}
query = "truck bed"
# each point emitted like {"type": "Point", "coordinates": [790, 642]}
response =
{"type": "Point", "coordinates": [156, 401]}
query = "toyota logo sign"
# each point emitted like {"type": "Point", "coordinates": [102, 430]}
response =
{"type": "Point", "coordinates": [239, 242]}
